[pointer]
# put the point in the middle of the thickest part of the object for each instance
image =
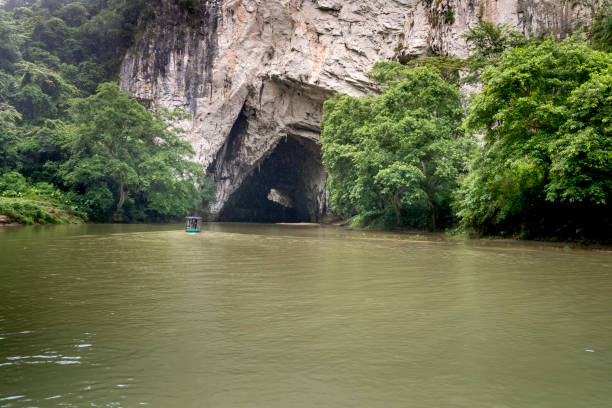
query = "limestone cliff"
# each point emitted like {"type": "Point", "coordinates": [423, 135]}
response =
{"type": "Point", "coordinates": [255, 73]}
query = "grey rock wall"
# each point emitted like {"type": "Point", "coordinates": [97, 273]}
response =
{"type": "Point", "coordinates": [254, 72]}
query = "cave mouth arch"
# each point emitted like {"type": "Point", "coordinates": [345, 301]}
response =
{"type": "Point", "coordinates": [285, 187]}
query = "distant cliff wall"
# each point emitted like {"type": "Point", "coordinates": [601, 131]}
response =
{"type": "Point", "coordinates": [255, 73]}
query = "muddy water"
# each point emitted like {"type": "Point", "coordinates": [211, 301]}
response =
{"type": "Point", "coordinates": [282, 316]}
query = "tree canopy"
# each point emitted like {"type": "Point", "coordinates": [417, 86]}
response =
{"type": "Point", "coordinates": [545, 167]}
{"type": "Point", "coordinates": [58, 125]}
{"type": "Point", "coordinates": [542, 167]}
{"type": "Point", "coordinates": [124, 154]}
{"type": "Point", "coordinates": [396, 156]}
{"type": "Point", "coordinates": [600, 32]}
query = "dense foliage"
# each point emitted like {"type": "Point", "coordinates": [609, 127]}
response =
{"type": "Point", "coordinates": [542, 167]}
{"type": "Point", "coordinates": [121, 154]}
{"type": "Point", "coordinates": [488, 42]}
{"type": "Point", "coordinates": [600, 32]}
{"type": "Point", "coordinates": [40, 203]}
{"type": "Point", "coordinates": [60, 126]}
{"type": "Point", "coordinates": [545, 167]}
{"type": "Point", "coordinates": [396, 158]}
{"type": "Point", "coordinates": [73, 146]}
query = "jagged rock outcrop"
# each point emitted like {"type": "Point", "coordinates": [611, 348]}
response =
{"type": "Point", "coordinates": [255, 73]}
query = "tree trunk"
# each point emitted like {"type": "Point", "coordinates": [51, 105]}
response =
{"type": "Point", "coordinates": [123, 193]}
{"type": "Point", "coordinates": [434, 212]}
{"type": "Point", "coordinates": [434, 217]}
{"type": "Point", "coordinates": [397, 208]}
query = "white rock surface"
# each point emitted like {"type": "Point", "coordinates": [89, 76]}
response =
{"type": "Point", "coordinates": [252, 72]}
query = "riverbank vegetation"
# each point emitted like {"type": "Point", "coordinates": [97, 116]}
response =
{"type": "Point", "coordinates": [530, 157]}
{"type": "Point", "coordinates": [398, 158]}
{"type": "Point", "coordinates": [41, 203]}
{"type": "Point", "coordinates": [545, 164]}
{"type": "Point", "coordinates": [84, 149]}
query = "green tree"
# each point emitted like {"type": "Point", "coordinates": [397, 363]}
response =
{"type": "Point", "coordinates": [52, 51]}
{"type": "Point", "coordinates": [52, 33]}
{"type": "Point", "coordinates": [74, 14]}
{"type": "Point", "coordinates": [544, 168]}
{"type": "Point", "coordinates": [40, 92]}
{"type": "Point", "coordinates": [121, 150]}
{"type": "Point", "coordinates": [110, 32]}
{"type": "Point", "coordinates": [488, 42]}
{"type": "Point", "coordinates": [9, 47]}
{"type": "Point", "coordinates": [8, 137]}
{"type": "Point", "coordinates": [600, 32]}
{"type": "Point", "coordinates": [8, 84]}
{"type": "Point", "coordinates": [581, 155]}
{"type": "Point", "coordinates": [390, 72]}
{"type": "Point", "coordinates": [51, 5]}
{"type": "Point", "coordinates": [401, 152]}
{"type": "Point", "coordinates": [448, 67]}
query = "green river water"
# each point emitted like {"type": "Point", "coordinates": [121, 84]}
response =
{"type": "Point", "coordinates": [292, 316]}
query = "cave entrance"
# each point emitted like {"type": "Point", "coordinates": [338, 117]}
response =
{"type": "Point", "coordinates": [285, 187]}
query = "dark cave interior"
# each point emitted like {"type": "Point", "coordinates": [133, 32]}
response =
{"type": "Point", "coordinates": [280, 188]}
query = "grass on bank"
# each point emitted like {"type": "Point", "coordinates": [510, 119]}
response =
{"type": "Point", "coordinates": [41, 203]}
{"type": "Point", "coordinates": [38, 210]}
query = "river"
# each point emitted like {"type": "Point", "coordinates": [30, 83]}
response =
{"type": "Point", "coordinates": [254, 315]}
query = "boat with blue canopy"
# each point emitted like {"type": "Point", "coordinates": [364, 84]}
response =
{"type": "Point", "coordinates": [193, 224]}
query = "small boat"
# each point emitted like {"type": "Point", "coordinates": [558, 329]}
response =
{"type": "Point", "coordinates": [193, 224]}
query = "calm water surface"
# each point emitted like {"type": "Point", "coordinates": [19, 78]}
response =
{"type": "Point", "coordinates": [285, 316]}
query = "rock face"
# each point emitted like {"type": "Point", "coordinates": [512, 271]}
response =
{"type": "Point", "coordinates": [254, 75]}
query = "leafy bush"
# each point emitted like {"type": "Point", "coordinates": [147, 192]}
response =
{"type": "Point", "coordinates": [545, 166]}
{"type": "Point", "coordinates": [54, 54]}
{"type": "Point", "coordinates": [600, 32]}
{"type": "Point", "coordinates": [40, 203]}
{"type": "Point", "coordinates": [400, 153]}
{"type": "Point", "coordinates": [12, 183]}
{"type": "Point", "coordinates": [120, 155]}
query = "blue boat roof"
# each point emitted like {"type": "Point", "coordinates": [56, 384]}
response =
{"type": "Point", "coordinates": [193, 218]}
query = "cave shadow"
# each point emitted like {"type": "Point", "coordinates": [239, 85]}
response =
{"type": "Point", "coordinates": [280, 188]}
